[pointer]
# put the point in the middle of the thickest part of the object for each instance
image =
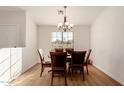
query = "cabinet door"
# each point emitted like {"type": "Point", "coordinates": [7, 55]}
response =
{"type": "Point", "coordinates": [16, 62]}
{"type": "Point", "coordinates": [5, 65]}
{"type": "Point", "coordinates": [8, 35]}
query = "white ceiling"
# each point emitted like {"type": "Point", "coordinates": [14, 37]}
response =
{"type": "Point", "coordinates": [78, 15]}
{"type": "Point", "coordinates": [48, 15]}
{"type": "Point", "coordinates": [10, 8]}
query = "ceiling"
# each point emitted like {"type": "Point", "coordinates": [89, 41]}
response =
{"type": "Point", "coordinates": [10, 8]}
{"type": "Point", "coordinates": [48, 15]}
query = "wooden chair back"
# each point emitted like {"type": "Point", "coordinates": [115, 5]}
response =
{"type": "Point", "coordinates": [69, 50]}
{"type": "Point", "coordinates": [41, 56]}
{"type": "Point", "coordinates": [88, 55]}
{"type": "Point", "coordinates": [58, 59]}
{"type": "Point", "coordinates": [78, 57]}
{"type": "Point", "coordinates": [59, 50]}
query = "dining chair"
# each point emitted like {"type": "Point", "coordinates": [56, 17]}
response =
{"type": "Point", "coordinates": [58, 62]}
{"type": "Point", "coordinates": [59, 50]}
{"type": "Point", "coordinates": [77, 62]}
{"type": "Point", "coordinates": [43, 62]}
{"type": "Point", "coordinates": [87, 60]}
{"type": "Point", "coordinates": [69, 50]}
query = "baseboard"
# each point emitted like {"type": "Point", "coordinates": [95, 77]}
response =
{"type": "Point", "coordinates": [109, 74]}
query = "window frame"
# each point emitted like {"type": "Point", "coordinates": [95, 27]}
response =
{"type": "Point", "coordinates": [65, 35]}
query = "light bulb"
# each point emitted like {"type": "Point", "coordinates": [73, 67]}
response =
{"type": "Point", "coordinates": [66, 23]}
{"type": "Point", "coordinates": [71, 25]}
{"type": "Point", "coordinates": [59, 24]}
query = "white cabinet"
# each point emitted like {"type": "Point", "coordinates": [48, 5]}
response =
{"type": "Point", "coordinates": [10, 63]}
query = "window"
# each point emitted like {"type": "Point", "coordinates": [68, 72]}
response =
{"type": "Point", "coordinates": [64, 38]}
{"type": "Point", "coordinates": [67, 37]}
{"type": "Point", "coordinates": [56, 37]}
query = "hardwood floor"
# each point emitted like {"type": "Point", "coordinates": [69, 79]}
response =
{"type": "Point", "coordinates": [95, 78]}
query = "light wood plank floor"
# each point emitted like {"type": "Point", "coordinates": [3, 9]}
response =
{"type": "Point", "coordinates": [95, 78]}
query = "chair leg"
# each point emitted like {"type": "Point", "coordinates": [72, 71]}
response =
{"type": "Point", "coordinates": [65, 79]}
{"type": "Point", "coordinates": [52, 79]}
{"type": "Point", "coordinates": [71, 73]}
{"type": "Point", "coordinates": [83, 73]}
{"type": "Point", "coordinates": [87, 69]}
{"type": "Point", "coordinates": [41, 74]}
{"type": "Point", "coordinates": [42, 69]}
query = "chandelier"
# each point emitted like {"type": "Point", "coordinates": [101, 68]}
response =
{"type": "Point", "coordinates": [65, 25]}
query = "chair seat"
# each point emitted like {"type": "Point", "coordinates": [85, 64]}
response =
{"type": "Point", "coordinates": [57, 68]}
{"type": "Point", "coordinates": [76, 65]}
{"type": "Point", "coordinates": [47, 63]}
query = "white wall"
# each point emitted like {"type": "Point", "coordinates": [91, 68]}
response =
{"type": "Point", "coordinates": [107, 42]}
{"type": "Point", "coordinates": [15, 18]}
{"type": "Point", "coordinates": [81, 38]}
{"type": "Point", "coordinates": [29, 53]}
